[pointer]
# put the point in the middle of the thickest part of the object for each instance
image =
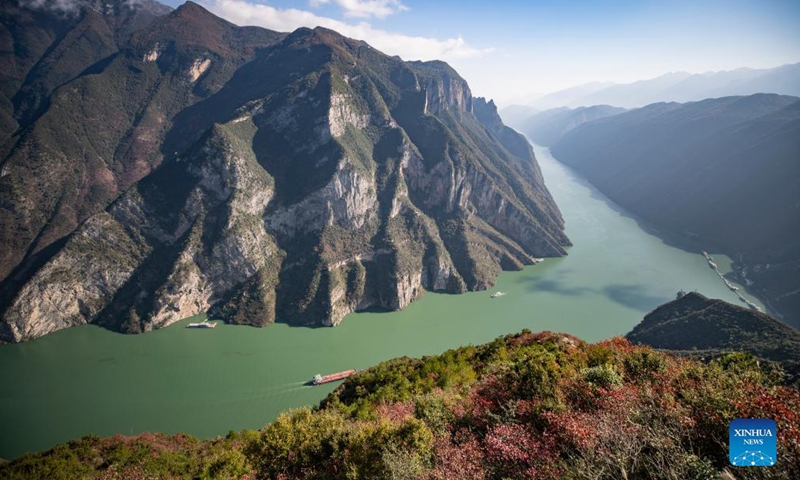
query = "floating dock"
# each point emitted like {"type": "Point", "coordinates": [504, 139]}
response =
{"type": "Point", "coordinates": [733, 288]}
{"type": "Point", "coordinates": [203, 324]}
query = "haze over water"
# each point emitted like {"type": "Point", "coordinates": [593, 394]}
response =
{"type": "Point", "coordinates": [206, 382]}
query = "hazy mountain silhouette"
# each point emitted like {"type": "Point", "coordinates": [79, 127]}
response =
{"type": "Point", "coordinates": [678, 87]}
{"type": "Point", "coordinates": [723, 171]}
{"type": "Point", "coordinates": [546, 128]}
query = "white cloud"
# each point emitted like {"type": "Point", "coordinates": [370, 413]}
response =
{"type": "Point", "coordinates": [408, 47]}
{"type": "Point", "coordinates": [369, 8]}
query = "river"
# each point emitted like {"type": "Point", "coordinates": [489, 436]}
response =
{"type": "Point", "coordinates": [206, 382]}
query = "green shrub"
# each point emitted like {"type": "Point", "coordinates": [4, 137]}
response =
{"type": "Point", "coordinates": [605, 376]}
{"type": "Point", "coordinates": [295, 440]}
{"type": "Point", "coordinates": [526, 406]}
{"type": "Point", "coordinates": [433, 409]}
{"type": "Point", "coordinates": [643, 364]}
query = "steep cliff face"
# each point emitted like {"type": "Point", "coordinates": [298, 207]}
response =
{"type": "Point", "coordinates": [83, 141]}
{"type": "Point", "coordinates": [320, 177]}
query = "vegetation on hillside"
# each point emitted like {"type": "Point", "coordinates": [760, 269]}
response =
{"type": "Point", "coordinates": [705, 328]}
{"type": "Point", "coordinates": [527, 406]}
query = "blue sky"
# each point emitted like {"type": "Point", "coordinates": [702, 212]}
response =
{"type": "Point", "coordinates": [513, 50]}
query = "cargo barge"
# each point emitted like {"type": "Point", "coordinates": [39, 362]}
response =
{"type": "Point", "coordinates": [333, 377]}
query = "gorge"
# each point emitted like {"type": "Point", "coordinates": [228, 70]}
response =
{"type": "Point", "coordinates": [720, 173]}
{"type": "Point", "coordinates": [251, 174]}
{"type": "Point", "coordinates": [165, 168]}
{"type": "Point", "coordinates": [77, 381]}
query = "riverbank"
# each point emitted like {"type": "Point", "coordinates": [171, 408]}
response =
{"type": "Point", "coordinates": [730, 286]}
{"type": "Point", "coordinates": [88, 380]}
{"type": "Point", "coordinates": [447, 417]}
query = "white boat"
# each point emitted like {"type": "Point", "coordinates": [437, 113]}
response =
{"type": "Point", "coordinates": [497, 294]}
{"type": "Point", "coordinates": [203, 324]}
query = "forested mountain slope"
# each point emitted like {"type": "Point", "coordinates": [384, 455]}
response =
{"type": "Point", "coordinates": [723, 172]}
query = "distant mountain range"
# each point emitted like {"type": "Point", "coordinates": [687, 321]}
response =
{"type": "Point", "coordinates": [547, 127]}
{"type": "Point", "coordinates": [565, 97]}
{"type": "Point", "coordinates": [677, 87]}
{"type": "Point", "coordinates": [158, 164]}
{"type": "Point", "coordinates": [515, 114]}
{"type": "Point", "coordinates": [723, 172]}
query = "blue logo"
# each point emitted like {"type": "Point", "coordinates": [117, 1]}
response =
{"type": "Point", "coordinates": [752, 442]}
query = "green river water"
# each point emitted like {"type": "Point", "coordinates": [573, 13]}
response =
{"type": "Point", "coordinates": [206, 382]}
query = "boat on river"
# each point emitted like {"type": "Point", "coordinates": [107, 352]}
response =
{"type": "Point", "coordinates": [497, 294]}
{"type": "Point", "coordinates": [203, 324]}
{"type": "Point", "coordinates": [333, 377]}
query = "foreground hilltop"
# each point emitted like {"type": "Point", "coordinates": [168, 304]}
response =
{"type": "Point", "coordinates": [533, 406]}
{"type": "Point", "coordinates": [200, 166]}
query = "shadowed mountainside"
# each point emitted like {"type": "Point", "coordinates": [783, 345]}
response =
{"type": "Point", "coordinates": [702, 327]}
{"type": "Point", "coordinates": [723, 172]}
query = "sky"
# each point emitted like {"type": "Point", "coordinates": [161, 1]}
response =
{"type": "Point", "coordinates": [516, 50]}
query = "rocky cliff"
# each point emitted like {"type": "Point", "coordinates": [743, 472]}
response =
{"type": "Point", "coordinates": [95, 135]}
{"type": "Point", "coordinates": [258, 176]}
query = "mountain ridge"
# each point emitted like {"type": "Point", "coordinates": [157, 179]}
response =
{"type": "Point", "coordinates": [695, 322]}
{"type": "Point", "coordinates": [548, 127]}
{"type": "Point", "coordinates": [261, 176]}
{"type": "Point", "coordinates": [698, 327]}
{"type": "Point", "coordinates": [734, 156]}
{"type": "Point", "coordinates": [677, 87]}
